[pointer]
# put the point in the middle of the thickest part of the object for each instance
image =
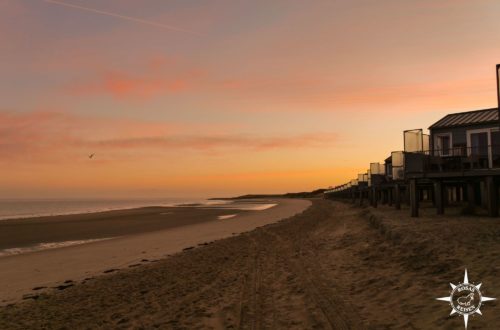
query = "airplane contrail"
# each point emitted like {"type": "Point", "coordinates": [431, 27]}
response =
{"type": "Point", "coordinates": [128, 18]}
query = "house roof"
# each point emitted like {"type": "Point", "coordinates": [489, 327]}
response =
{"type": "Point", "coordinates": [467, 118]}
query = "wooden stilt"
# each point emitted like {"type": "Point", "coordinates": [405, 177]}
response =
{"type": "Point", "coordinates": [484, 194]}
{"type": "Point", "coordinates": [492, 192]}
{"type": "Point", "coordinates": [397, 197]}
{"type": "Point", "coordinates": [438, 197]}
{"type": "Point", "coordinates": [375, 197]}
{"type": "Point", "coordinates": [471, 195]}
{"type": "Point", "coordinates": [414, 198]}
{"type": "Point", "coordinates": [384, 196]}
{"type": "Point", "coordinates": [407, 194]}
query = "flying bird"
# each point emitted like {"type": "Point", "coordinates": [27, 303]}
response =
{"type": "Point", "coordinates": [91, 156]}
{"type": "Point", "coordinates": [128, 18]}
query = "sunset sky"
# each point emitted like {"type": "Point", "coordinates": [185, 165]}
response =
{"type": "Point", "coordinates": [201, 98]}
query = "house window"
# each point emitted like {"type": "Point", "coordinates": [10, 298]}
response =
{"type": "Point", "coordinates": [444, 144]}
{"type": "Point", "coordinates": [479, 143]}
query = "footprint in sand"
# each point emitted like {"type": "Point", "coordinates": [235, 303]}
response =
{"type": "Point", "coordinates": [63, 287]}
{"type": "Point", "coordinates": [110, 270]}
{"type": "Point", "coordinates": [39, 288]}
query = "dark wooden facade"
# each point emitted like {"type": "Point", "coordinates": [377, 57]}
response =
{"type": "Point", "coordinates": [459, 160]}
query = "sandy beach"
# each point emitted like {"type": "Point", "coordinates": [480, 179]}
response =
{"type": "Point", "coordinates": [333, 266]}
{"type": "Point", "coordinates": [133, 237]}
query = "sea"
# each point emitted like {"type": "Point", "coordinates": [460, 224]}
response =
{"type": "Point", "coordinates": [27, 208]}
{"type": "Point", "coordinates": [24, 208]}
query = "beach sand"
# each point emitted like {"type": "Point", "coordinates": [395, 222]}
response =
{"type": "Point", "coordinates": [141, 236]}
{"type": "Point", "coordinates": [333, 266]}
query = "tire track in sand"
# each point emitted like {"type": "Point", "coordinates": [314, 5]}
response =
{"type": "Point", "coordinates": [336, 310]}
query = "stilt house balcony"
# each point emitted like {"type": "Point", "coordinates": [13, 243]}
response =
{"type": "Point", "coordinates": [461, 144]}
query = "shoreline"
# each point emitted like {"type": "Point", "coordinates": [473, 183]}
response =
{"type": "Point", "coordinates": [27, 232]}
{"type": "Point", "coordinates": [50, 268]}
{"type": "Point", "coordinates": [104, 209]}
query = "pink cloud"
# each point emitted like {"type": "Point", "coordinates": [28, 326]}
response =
{"type": "Point", "coordinates": [25, 134]}
{"type": "Point", "coordinates": [123, 86]}
{"type": "Point", "coordinates": [161, 76]}
{"type": "Point", "coordinates": [323, 95]}
{"type": "Point", "coordinates": [219, 141]}
{"type": "Point", "coordinates": [158, 76]}
{"type": "Point", "coordinates": [50, 136]}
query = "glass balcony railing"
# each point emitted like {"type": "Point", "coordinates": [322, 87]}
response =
{"type": "Point", "coordinates": [457, 158]}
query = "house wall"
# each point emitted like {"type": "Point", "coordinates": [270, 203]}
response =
{"type": "Point", "coordinates": [458, 134]}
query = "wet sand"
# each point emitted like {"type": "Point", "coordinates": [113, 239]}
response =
{"type": "Point", "coordinates": [29, 231]}
{"type": "Point", "coordinates": [333, 266]}
{"type": "Point", "coordinates": [144, 235]}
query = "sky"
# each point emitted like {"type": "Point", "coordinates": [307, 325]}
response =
{"type": "Point", "coordinates": [204, 98]}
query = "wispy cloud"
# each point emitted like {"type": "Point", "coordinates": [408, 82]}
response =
{"type": "Point", "coordinates": [123, 17]}
{"type": "Point", "coordinates": [155, 77]}
{"type": "Point", "coordinates": [50, 136]}
{"type": "Point", "coordinates": [121, 85]}
{"type": "Point", "coordinates": [220, 141]}
{"type": "Point", "coordinates": [160, 77]}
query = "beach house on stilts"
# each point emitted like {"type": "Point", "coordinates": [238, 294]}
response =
{"type": "Point", "coordinates": [458, 161]}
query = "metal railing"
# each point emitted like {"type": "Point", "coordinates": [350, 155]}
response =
{"type": "Point", "coordinates": [457, 158]}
